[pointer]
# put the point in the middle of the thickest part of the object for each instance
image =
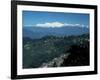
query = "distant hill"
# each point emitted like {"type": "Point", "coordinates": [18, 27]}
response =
{"type": "Point", "coordinates": [39, 32]}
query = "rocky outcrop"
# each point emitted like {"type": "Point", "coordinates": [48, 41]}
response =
{"type": "Point", "coordinates": [56, 62]}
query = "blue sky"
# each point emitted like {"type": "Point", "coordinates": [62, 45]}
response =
{"type": "Point", "coordinates": [54, 19]}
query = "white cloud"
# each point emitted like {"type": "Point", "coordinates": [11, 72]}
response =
{"type": "Point", "coordinates": [52, 24]}
{"type": "Point", "coordinates": [58, 25]}
{"type": "Point", "coordinates": [78, 25]}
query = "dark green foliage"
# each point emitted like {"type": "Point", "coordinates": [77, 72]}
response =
{"type": "Point", "coordinates": [39, 51]}
{"type": "Point", "coordinates": [79, 55]}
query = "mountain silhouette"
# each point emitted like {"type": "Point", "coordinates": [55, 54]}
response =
{"type": "Point", "coordinates": [39, 32]}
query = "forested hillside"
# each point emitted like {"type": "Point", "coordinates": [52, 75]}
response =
{"type": "Point", "coordinates": [70, 50]}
